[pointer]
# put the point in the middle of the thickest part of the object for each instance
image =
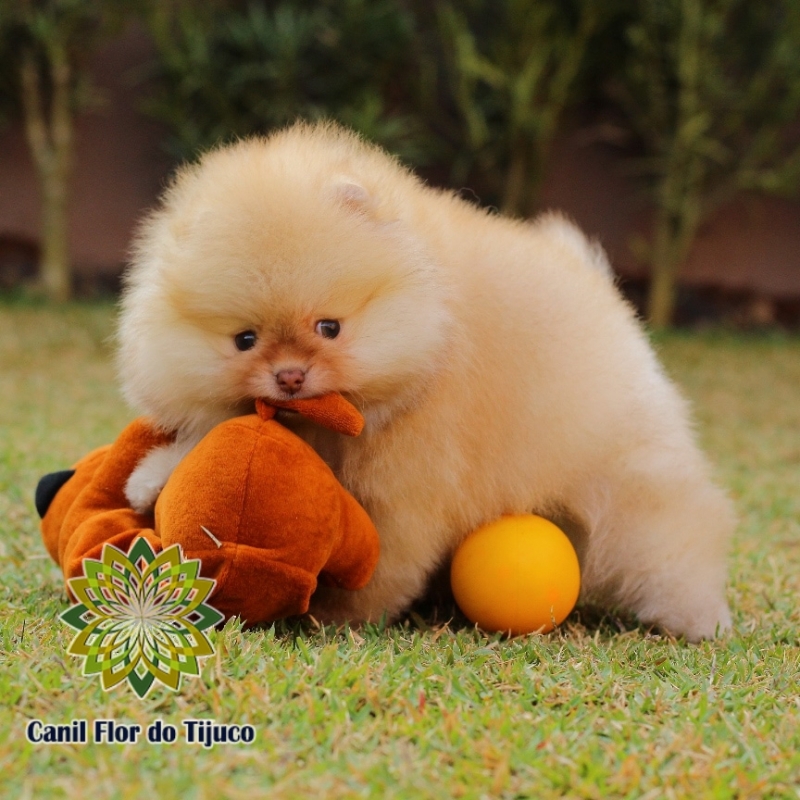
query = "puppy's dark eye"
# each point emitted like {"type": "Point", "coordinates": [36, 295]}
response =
{"type": "Point", "coordinates": [329, 328]}
{"type": "Point", "coordinates": [246, 340]}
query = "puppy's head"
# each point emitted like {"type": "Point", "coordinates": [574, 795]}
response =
{"type": "Point", "coordinates": [281, 268]}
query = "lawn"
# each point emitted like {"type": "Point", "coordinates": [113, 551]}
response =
{"type": "Point", "coordinates": [600, 708]}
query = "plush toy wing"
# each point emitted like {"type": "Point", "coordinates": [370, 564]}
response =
{"type": "Point", "coordinates": [330, 410]}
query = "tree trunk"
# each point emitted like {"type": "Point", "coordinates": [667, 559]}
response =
{"type": "Point", "coordinates": [674, 234]}
{"type": "Point", "coordinates": [50, 142]}
{"type": "Point", "coordinates": [516, 177]}
{"type": "Point", "coordinates": [54, 263]}
{"type": "Point", "coordinates": [661, 296]}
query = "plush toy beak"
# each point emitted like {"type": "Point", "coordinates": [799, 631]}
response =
{"type": "Point", "coordinates": [329, 410]}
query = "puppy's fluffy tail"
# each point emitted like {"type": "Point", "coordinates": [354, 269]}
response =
{"type": "Point", "coordinates": [559, 229]}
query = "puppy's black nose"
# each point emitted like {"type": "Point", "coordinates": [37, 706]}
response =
{"type": "Point", "coordinates": [290, 380]}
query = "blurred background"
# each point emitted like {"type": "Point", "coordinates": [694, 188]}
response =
{"type": "Point", "coordinates": [667, 129]}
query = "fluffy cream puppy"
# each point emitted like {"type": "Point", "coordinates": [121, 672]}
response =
{"type": "Point", "coordinates": [497, 367]}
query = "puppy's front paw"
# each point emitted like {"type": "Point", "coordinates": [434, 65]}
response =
{"type": "Point", "coordinates": [142, 491]}
{"type": "Point", "coordinates": [150, 477]}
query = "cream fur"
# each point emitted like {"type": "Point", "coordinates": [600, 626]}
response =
{"type": "Point", "coordinates": [497, 366]}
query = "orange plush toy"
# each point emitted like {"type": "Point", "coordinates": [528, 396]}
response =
{"type": "Point", "coordinates": [254, 502]}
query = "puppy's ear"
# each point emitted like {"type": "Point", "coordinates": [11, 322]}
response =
{"type": "Point", "coordinates": [352, 195]}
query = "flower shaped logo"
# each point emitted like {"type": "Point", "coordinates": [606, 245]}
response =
{"type": "Point", "coordinates": [140, 617]}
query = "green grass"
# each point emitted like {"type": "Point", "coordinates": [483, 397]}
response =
{"type": "Point", "coordinates": [601, 708]}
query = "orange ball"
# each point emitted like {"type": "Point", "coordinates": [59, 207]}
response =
{"type": "Point", "coordinates": [519, 574]}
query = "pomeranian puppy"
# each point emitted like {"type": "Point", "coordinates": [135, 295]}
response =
{"type": "Point", "coordinates": [497, 367]}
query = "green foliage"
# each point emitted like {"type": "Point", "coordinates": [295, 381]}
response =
{"type": "Point", "coordinates": [236, 69]}
{"type": "Point", "coordinates": [508, 70]}
{"type": "Point", "coordinates": [52, 30]}
{"type": "Point", "coordinates": [710, 89]}
{"type": "Point", "coordinates": [474, 91]}
{"type": "Point", "coordinates": [49, 43]}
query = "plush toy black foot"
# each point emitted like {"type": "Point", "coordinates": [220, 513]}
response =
{"type": "Point", "coordinates": [48, 488]}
